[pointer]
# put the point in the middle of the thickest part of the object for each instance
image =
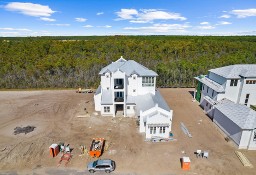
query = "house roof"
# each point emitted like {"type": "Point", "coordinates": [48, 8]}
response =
{"type": "Point", "coordinates": [106, 98]}
{"type": "Point", "coordinates": [148, 101]}
{"type": "Point", "coordinates": [236, 71]}
{"type": "Point", "coordinates": [210, 83]}
{"type": "Point", "coordinates": [98, 90]}
{"type": "Point", "coordinates": [128, 67]}
{"type": "Point", "coordinates": [240, 114]}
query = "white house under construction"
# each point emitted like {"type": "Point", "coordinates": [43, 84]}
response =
{"type": "Point", "coordinates": [128, 89]}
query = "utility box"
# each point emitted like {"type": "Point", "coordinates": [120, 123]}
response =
{"type": "Point", "coordinates": [54, 150]}
{"type": "Point", "coordinates": [185, 163]}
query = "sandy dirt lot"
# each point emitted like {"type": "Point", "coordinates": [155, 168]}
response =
{"type": "Point", "coordinates": [54, 114]}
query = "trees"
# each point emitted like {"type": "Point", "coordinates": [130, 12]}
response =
{"type": "Point", "coordinates": [43, 62]}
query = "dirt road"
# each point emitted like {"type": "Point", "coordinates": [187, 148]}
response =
{"type": "Point", "coordinates": [54, 114]}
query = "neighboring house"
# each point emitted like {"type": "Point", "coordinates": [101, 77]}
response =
{"type": "Point", "coordinates": [226, 95]}
{"type": "Point", "coordinates": [129, 89]}
{"type": "Point", "coordinates": [238, 122]}
{"type": "Point", "coordinates": [236, 83]}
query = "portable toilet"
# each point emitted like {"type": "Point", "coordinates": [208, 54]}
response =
{"type": "Point", "coordinates": [54, 150]}
{"type": "Point", "coordinates": [185, 163]}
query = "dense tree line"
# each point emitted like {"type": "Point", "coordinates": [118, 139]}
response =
{"type": "Point", "coordinates": [50, 62]}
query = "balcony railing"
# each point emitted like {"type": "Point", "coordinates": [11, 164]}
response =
{"type": "Point", "coordinates": [119, 99]}
{"type": "Point", "coordinates": [118, 86]}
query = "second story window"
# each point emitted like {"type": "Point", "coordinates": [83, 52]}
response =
{"type": "Point", "coordinates": [148, 81]}
{"type": "Point", "coordinates": [246, 99]}
{"type": "Point", "coordinates": [212, 93]}
{"type": "Point", "coordinates": [233, 82]}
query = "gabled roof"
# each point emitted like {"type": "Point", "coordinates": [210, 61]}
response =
{"type": "Point", "coordinates": [148, 101]}
{"type": "Point", "coordinates": [106, 98]}
{"type": "Point", "coordinates": [240, 114]}
{"type": "Point", "coordinates": [236, 71]}
{"type": "Point", "coordinates": [210, 83]}
{"type": "Point", "coordinates": [128, 67]}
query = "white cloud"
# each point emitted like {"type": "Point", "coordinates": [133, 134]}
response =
{"type": "Point", "coordinates": [125, 14]}
{"type": "Point", "coordinates": [13, 29]}
{"type": "Point", "coordinates": [147, 15]}
{"type": "Point", "coordinates": [80, 19]}
{"type": "Point", "coordinates": [161, 28]}
{"type": "Point", "coordinates": [244, 13]}
{"type": "Point", "coordinates": [106, 26]}
{"type": "Point", "coordinates": [225, 16]}
{"type": "Point", "coordinates": [100, 13]}
{"type": "Point", "coordinates": [30, 9]}
{"type": "Point", "coordinates": [204, 23]}
{"type": "Point", "coordinates": [206, 27]}
{"type": "Point", "coordinates": [58, 24]}
{"type": "Point", "coordinates": [47, 19]}
{"type": "Point", "coordinates": [88, 26]}
{"type": "Point", "coordinates": [224, 23]}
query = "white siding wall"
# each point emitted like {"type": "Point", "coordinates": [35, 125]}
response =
{"type": "Point", "coordinates": [145, 90]}
{"type": "Point", "coordinates": [130, 112]}
{"type": "Point", "coordinates": [248, 89]}
{"type": "Point", "coordinates": [231, 92]}
{"type": "Point", "coordinates": [97, 102]}
{"type": "Point", "coordinates": [252, 144]}
{"type": "Point", "coordinates": [245, 139]}
{"type": "Point", "coordinates": [132, 85]}
{"type": "Point", "coordinates": [229, 127]}
{"type": "Point", "coordinates": [105, 82]}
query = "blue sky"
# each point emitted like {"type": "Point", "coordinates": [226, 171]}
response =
{"type": "Point", "coordinates": [127, 17]}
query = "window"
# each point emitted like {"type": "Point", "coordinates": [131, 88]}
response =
{"type": "Point", "coordinates": [148, 81]}
{"type": "Point", "coordinates": [134, 90]}
{"type": "Point", "coordinates": [162, 130]}
{"type": "Point", "coordinates": [128, 107]}
{"type": "Point", "coordinates": [206, 104]}
{"type": "Point", "coordinates": [106, 109]}
{"type": "Point", "coordinates": [254, 137]}
{"type": "Point", "coordinates": [212, 93]}
{"type": "Point", "coordinates": [107, 76]}
{"type": "Point", "coordinates": [233, 82]}
{"type": "Point", "coordinates": [203, 87]}
{"type": "Point", "coordinates": [152, 130]}
{"type": "Point", "coordinates": [207, 89]}
{"type": "Point", "coordinates": [250, 81]}
{"type": "Point", "coordinates": [119, 94]}
{"type": "Point", "coordinates": [134, 77]}
{"type": "Point", "coordinates": [246, 99]}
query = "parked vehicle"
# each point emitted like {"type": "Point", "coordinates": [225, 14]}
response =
{"type": "Point", "coordinates": [106, 165]}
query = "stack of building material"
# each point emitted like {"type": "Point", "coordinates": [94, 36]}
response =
{"type": "Point", "coordinates": [185, 130]}
{"type": "Point", "coordinates": [243, 159]}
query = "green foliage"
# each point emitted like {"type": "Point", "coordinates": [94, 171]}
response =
{"type": "Point", "coordinates": [72, 61]}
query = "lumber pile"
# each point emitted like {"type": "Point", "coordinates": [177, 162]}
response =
{"type": "Point", "coordinates": [243, 159]}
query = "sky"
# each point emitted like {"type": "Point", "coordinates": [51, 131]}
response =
{"type": "Point", "coordinates": [127, 17]}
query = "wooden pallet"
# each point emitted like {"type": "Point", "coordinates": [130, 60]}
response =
{"type": "Point", "coordinates": [243, 159]}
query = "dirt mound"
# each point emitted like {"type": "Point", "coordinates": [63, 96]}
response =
{"type": "Point", "coordinates": [25, 130]}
